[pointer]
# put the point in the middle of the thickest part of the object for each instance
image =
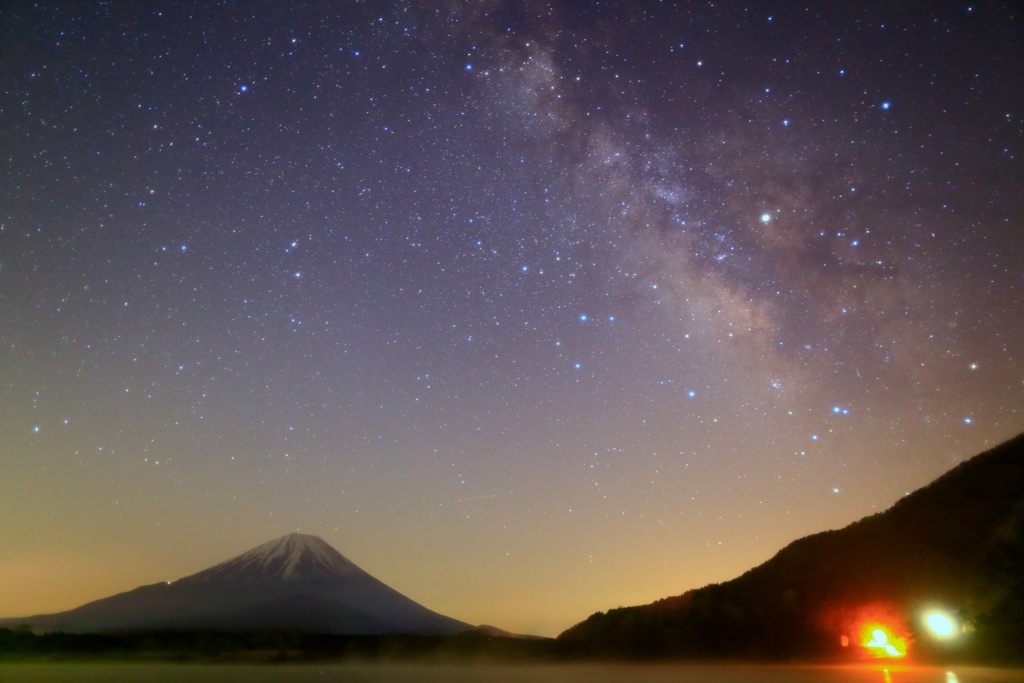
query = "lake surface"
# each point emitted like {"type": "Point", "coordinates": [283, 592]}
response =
{"type": "Point", "coordinates": [490, 673]}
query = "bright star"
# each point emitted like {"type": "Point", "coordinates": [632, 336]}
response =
{"type": "Point", "coordinates": [765, 217]}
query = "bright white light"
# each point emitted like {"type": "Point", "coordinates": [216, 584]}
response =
{"type": "Point", "coordinates": [940, 624]}
{"type": "Point", "coordinates": [765, 217]}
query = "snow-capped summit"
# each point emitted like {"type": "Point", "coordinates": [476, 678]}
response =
{"type": "Point", "coordinates": [289, 558]}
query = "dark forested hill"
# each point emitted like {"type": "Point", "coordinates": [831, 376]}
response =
{"type": "Point", "coordinates": [954, 546]}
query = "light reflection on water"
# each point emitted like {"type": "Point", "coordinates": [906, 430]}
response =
{"type": "Point", "coordinates": [519, 673]}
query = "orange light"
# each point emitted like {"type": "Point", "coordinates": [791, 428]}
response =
{"type": "Point", "coordinates": [882, 644]}
{"type": "Point", "coordinates": [876, 630]}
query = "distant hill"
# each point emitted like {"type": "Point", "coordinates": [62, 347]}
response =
{"type": "Point", "coordinates": [294, 582]}
{"type": "Point", "coordinates": [956, 545]}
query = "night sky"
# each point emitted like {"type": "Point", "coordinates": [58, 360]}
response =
{"type": "Point", "coordinates": [530, 309]}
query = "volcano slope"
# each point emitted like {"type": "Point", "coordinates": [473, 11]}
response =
{"type": "Point", "coordinates": [295, 582]}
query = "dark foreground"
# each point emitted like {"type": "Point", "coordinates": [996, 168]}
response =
{"type": "Point", "coordinates": [265, 647]}
{"type": "Point", "coordinates": [21, 650]}
{"type": "Point", "coordinates": [497, 673]}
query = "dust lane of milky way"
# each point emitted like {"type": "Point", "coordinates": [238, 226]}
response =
{"type": "Point", "coordinates": [530, 309]}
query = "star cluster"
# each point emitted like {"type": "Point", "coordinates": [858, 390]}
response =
{"type": "Point", "coordinates": [530, 309]}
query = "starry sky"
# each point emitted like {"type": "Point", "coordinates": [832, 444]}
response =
{"type": "Point", "coordinates": [530, 309]}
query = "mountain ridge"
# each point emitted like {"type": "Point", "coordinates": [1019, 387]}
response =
{"type": "Point", "coordinates": [956, 543]}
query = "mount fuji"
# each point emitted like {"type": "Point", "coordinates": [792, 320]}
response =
{"type": "Point", "coordinates": [297, 581]}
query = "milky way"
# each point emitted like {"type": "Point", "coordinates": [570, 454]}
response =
{"type": "Point", "coordinates": [530, 309]}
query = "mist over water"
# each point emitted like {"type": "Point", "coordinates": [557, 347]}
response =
{"type": "Point", "coordinates": [491, 673]}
